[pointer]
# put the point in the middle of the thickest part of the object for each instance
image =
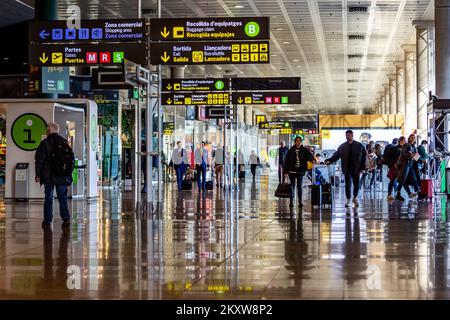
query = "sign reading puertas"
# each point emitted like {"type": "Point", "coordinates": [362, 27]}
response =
{"type": "Point", "coordinates": [197, 29]}
{"type": "Point", "coordinates": [183, 53]}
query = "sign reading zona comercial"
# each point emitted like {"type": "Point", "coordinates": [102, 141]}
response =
{"type": "Point", "coordinates": [111, 30]}
{"type": "Point", "coordinates": [234, 28]}
{"type": "Point", "coordinates": [85, 54]}
{"type": "Point", "coordinates": [237, 52]}
{"type": "Point", "coordinates": [195, 85]}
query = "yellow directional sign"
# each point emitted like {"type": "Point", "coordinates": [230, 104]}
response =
{"type": "Point", "coordinates": [43, 58]}
{"type": "Point", "coordinates": [169, 101]}
{"type": "Point", "coordinates": [187, 98]}
{"type": "Point", "coordinates": [165, 57]}
{"type": "Point", "coordinates": [169, 87]}
{"type": "Point", "coordinates": [165, 33]}
{"type": "Point", "coordinates": [57, 57]}
{"type": "Point", "coordinates": [178, 32]}
{"type": "Point", "coordinates": [240, 100]}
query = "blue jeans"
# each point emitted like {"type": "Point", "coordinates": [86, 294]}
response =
{"type": "Point", "coordinates": [201, 174]}
{"type": "Point", "coordinates": [180, 170]}
{"type": "Point", "coordinates": [299, 178]}
{"type": "Point", "coordinates": [61, 192]}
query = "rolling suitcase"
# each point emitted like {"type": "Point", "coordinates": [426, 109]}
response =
{"type": "Point", "coordinates": [209, 185]}
{"type": "Point", "coordinates": [327, 195]}
{"type": "Point", "coordinates": [426, 189]}
{"type": "Point", "coordinates": [241, 171]}
{"type": "Point", "coordinates": [316, 195]}
{"type": "Point", "coordinates": [322, 188]}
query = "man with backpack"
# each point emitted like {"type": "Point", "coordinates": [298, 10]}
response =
{"type": "Point", "coordinates": [55, 162]}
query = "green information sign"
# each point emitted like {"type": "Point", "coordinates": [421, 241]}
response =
{"type": "Point", "coordinates": [27, 131]}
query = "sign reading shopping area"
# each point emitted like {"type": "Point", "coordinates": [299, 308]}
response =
{"type": "Point", "coordinates": [174, 53]}
{"type": "Point", "coordinates": [275, 97]}
{"type": "Point", "coordinates": [198, 29]}
{"type": "Point", "coordinates": [85, 54]}
{"type": "Point", "coordinates": [112, 30]}
{"type": "Point", "coordinates": [195, 85]}
{"type": "Point", "coordinates": [207, 98]}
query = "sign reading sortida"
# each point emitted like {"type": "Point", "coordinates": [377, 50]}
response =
{"type": "Point", "coordinates": [207, 98]}
{"type": "Point", "coordinates": [234, 28]}
{"type": "Point", "coordinates": [209, 53]}
{"type": "Point", "coordinates": [195, 85]}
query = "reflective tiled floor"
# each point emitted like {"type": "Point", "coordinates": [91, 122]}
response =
{"type": "Point", "coordinates": [227, 245]}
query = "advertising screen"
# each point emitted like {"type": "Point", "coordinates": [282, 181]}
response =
{"type": "Point", "coordinates": [332, 138]}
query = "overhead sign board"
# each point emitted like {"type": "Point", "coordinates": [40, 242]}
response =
{"type": "Point", "coordinates": [56, 80]}
{"type": "Point", "coordinates": [168, 128]}
{"type": "Point", "coordinates": [183, 53]}
{"type": "Point", "coordinates": [198, 29]}
{"type": "Point", "coordinates": [112, 30]}
{"type": "Point", "coordinates": [280, 83]}
{"type": "Point", "coordinates": [207, 98]}
{"type": "Point", "coordinates": [260, 118]}
{"type": "Point", "coordinates": [218, 113]}
{"type": "Point", "coordinates": [195, 85]}
{"type": "Point", "coordinates": [280, 97]}
{"type": "Point", "coordinates": [84, 54]}
{"type": "Point", "coordinates": [273, 125]}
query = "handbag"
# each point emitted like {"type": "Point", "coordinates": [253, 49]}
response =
{"type": "Point", "coordinates": [284, 190]}
{"type": "Point", "coordinates": [392, 172]}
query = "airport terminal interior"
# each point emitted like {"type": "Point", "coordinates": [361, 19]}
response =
{"type": "Point", "coordinates": [224, 149]}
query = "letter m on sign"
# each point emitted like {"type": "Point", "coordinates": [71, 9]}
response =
{"type": "Point", "coordinates": [91, 57]}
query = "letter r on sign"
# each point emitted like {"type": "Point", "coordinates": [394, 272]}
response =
{"type": "Point", "coordinates": [105, 57]}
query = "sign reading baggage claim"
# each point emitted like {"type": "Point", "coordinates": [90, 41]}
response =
{"type": "Point", "coordinates": [85, 54]}
{"type": "Point", "coordinates": [195, 85]}
{"type": "Point", "coordinates": [174, 53]}
{"type": "Point", "coordinates": [275, 97]}
{"type": "Point", "coordinates": [195, 98]}
{"type": "Point", "coordinates": [256, 28]}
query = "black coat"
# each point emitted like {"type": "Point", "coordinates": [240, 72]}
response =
{"type": "Point", "coordinates": [358, 163]}
{"type": "Point", "coordinates": [405, 165]}
{"type": "Point", "coordinates": [42, 162]}
{"type": "Point", "coordinates": [305, 156]}
{"type": "Point", "coordinates": [391, 155]}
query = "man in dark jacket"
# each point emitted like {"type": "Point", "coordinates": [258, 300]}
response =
{"type": "Point", "coordinates": [390, 158]}
{"type": "Point", "coordinates": [49, 179]}
{"type": "Point", "coordinates": [282, 153]}
{"type": "Point", "coordinates": [295, 166]}
{"type": "Point", "coordinates": [353, 160]}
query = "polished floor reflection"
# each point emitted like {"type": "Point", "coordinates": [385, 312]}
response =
{"type": "Point", "coordinates": [227, 245]}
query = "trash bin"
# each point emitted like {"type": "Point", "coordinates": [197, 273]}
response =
{"type": "Point", "coordinates": [21, 180]}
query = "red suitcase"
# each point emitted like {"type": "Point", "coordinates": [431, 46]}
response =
{"type": "Point", "coordinates": [426, 189]}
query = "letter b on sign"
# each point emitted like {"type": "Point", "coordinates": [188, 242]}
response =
{"type": "Point", "coordinates": [252, 29]}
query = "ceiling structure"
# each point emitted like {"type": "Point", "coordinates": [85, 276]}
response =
{"type": "Point", "coordinates": [342, 49]}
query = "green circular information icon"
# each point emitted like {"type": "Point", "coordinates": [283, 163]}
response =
{"type": "Point", "coordinates": [219, 85]}
{"type": "Point", "coordinates": [27, 131]}
{"type": "Point", "coordinates": [252, 29]}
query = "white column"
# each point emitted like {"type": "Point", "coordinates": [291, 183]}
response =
{"type": "Point", "coordinates": [424, 43]}
{"type": "Point", "coordinates": [400, 87]}
{"type": "Point", "coordinates": [392, 96]}
{"type": "Point", "coordinates": [410, 89]}
{"type": "Point", "coordinates": [387, 97]}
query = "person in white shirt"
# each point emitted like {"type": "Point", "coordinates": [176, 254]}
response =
{"type": "Point", "coordinates": [253, 161]}
{"type": "Point", "coordinates": [180, 163]}
{"type": "Point", "coordinates": [201, 163]}
{"type": "Point", "coordinates": [218, 162]}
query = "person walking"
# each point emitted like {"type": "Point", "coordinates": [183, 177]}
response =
{"type": "Point", "coordinates": [281, 157]}
{"type": "Point", "coordinates": [218, 165]}
{"type": "Point", "coordinates": [295, 167]}
{"type": "Point", "coordinates": [408, 169]}
{"type": "Point", "coordinates": [201, 163]}
{"type": "Point", "coordinates": [254, 162]}
{"type": "Point", "coordinates": [54, 164]}
{"type": "Point", "coordinates": [180, 163]}
{"type": "Point", "coordinates": [390, 158]}
{"type": "Point", "coordinates": [423, 156]}
{"type": "Point", "coordinates": [353, 161]}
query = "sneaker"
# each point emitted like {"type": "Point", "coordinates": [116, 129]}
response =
{"type": "Point", "coordinates": [412, 195]}
{"type": "Point", "coordinates": [348, 203]}
{"type": "Point", "coordinates": [390, 197]}
{"type": "Point", "coordinates": [66, 223]}
{"type": "Point", "coordinates": [356, 202]}
{"type": "Point", "coordinates": [399, 198]}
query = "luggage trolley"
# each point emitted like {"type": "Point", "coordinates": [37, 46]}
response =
{"type": "Point", "coordinates": [322, 188]}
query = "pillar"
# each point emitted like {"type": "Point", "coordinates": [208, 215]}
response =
{"type": "Point", "coordinates": [442, 48]}
{"type": "Point", "coordinates": [392, 96]}
{"type": "Point", "coordinates": [424, 45]}
{"type": "Point", "coordinates": [383, 103]}
{"type": "Point", "coordinates": [400, 87]}
{"type": "Point", "coordinates": [387, 98]}
{"type": "Point", "coordinates": [410, 89]}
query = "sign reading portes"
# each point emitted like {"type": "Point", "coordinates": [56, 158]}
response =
{"type": "Point", "coordinates": [280, 97]}
{"type": "Point", "coordinates": [195, 85]}
{"type": "Point", "coordinates": [234, 28]}
{"type": "Point", "coordinates": [84, 54]}
{"type": "Point", "coordinates": [207, 98]}
{"type": "Point", "coordinates": [175, 53]}
{"type": "Point", "coordinates": [112, 30]}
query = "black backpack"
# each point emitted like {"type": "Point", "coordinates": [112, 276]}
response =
{"type": "Point", "coordinates": [62, 159]}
